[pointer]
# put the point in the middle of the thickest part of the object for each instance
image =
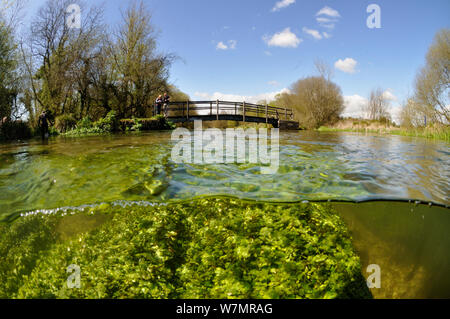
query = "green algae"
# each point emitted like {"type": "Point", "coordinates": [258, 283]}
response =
{"type": "Point", "coordinates": [207, 248]}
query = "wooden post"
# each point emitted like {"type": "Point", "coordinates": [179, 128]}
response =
{"type": "Point", "coordinates": [267, 114]}
{"type": "Point", "coordinates": [285, 113]}
{"type": "Point", "coordinates": [210, 108]}
{"type": "Point", "coordinates": [244, 112]}
{"type": "Point", "coordinates": [188, 110]}
{"type": "Point", "coordinates": [217, 110]}
{"type": "Point", "coordinates": [235, 108]}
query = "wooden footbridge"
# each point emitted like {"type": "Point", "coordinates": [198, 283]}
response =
{"type": "Point", "coordinates": [189, 111]}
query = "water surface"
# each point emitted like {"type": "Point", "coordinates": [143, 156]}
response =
{"type": "Point", "coordinates": [409, 241]}
{"type": "Point", "coordinates": [313, 166]}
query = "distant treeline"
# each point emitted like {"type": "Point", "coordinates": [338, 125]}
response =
{"type": "Point", "coordinates": [77, 73]}
{"type": "Point", "coordinates": [318, 101]}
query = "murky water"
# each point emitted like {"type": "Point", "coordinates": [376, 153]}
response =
{"type": "Point", "coordinates": [409, 242]}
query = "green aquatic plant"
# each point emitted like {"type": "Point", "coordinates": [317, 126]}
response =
{"type": "Point", "coordinates": [207, 248]}
{"type": "Point", "coordinates": [21, 246]}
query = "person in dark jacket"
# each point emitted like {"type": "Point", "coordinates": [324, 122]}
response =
{"type": "Point", "coordinates": [166, 101]}
{"type": "Point", "coordinates": [43, 124]}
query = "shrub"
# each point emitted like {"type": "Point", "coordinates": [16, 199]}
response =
{"type": "Point", "coordinates": [15, 130]}
{"type": "Point", "coordinates": [65, 122]}
{"type": "Point", "coordinates": [109, 123]}
{"type": "Point", "coordinates": [158, 122]}
{"type": "Point", "coordinates": [85, 123]}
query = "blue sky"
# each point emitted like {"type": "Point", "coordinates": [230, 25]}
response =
{"type": "Point", "coordinates": [252, 49]}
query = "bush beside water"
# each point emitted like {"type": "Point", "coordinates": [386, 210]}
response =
{"type": "Point", "coordinates": [68, 126]}
{"type": "Point", "coordinates": [15, 130]}
{"type": "Point", "coordinates": [208, 248]}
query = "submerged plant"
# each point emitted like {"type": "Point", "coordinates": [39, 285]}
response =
{"type": "Point", "coordinates": [207, 248]}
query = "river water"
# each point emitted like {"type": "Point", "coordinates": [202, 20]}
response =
{"type": "Point", "coordinates": [369, 178]}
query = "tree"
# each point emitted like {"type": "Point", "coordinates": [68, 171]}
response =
{"type": "Point", "coordinates": [325, 70]}
{"type": "Point", "coordinates": [377, 108]}
{"type": "Point", "coordinates": [8, 73]}
{"type": "Point", "coordinates": [412, 114]}
{"type": "Point", "coordinates": [316, 100]}
{"type": "Point", "coordinates": [59, 60]}
{"type": "Point", "coordinates": [433, 80]}
{"type": "Point", "coordinates": [141, 72]}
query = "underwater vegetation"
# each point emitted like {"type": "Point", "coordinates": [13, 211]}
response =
{"type": "Point", "coordinates": [203, 248]}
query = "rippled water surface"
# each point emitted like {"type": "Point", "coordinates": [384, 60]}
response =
{"type": "Point", "coordinates": [409, 241]}
{"type": "Point", "coordinates": [313, 166]}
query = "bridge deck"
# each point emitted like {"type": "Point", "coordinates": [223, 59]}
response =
{"type": "Point", "coordinates": [190, 111]}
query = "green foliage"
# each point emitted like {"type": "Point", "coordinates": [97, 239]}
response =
{"type": "Point", "coordinates": [8, 72]}
{"type": "Point", "coordinates": [108, 123]}
{"type": "Point", "coordinates": [137, 125]}
{"type": "Point", "coordinates": [15, 130]}
{"type": "Point", "coordinates": [209, 248]}
{"type": "Point", "coordinates": [105, 125]}
{"type": "Point", "coordinates": [85, 123]}
{"type": "Point", "coordinates": [65, 122]}
{"type": "Point", "coordinates": [158, 122]}
{"type": "Point", "coordinates": [21, 246]}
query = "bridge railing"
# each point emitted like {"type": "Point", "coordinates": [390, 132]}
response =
{"type": "Point", "coordinates": [216, 108]}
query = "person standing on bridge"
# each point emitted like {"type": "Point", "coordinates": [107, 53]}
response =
{"type": "Point", "coordinates": [158, 105]}
{"type": "Point", "coordinates": [166, 101]}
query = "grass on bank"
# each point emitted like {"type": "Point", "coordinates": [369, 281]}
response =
{"type": "Point", "coordinates": [431, 132]}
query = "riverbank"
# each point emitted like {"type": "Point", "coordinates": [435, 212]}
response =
{"type": "Point", "coordinates": [374, 127]}
{"type": "Point", "coordinates": [110, 124]}
{"type": "Point", "coordinates": [19, 130]}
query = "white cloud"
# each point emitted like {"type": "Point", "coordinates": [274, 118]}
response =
{"type": "Point", "coordinates": [273, 83]}
{"type": "Point", "coordinates": [324, 20]}
{"type": "Point", "coordinates": [326, 35]}
{"type": "Point", "coordinates": [395, 111]}
{"type": "Point", "coordinates": [327, 17]}
{"type": "Point", "coordinates": [221, 46]}
{"type": "Point", "coordinates": [347, 65]}
{"type": "Point", "coordinates": [239, 98]}
{"type": "Point", "coordinates": [284, 39]}
{"type": "Point", "coordinates": [314, 33]}
{"type": "Point", "coordinates": [354, 106]}
{"type": "Point", "coordinates": [231, 45]}
{"type": "Point", "coordinates": [268, 53]}
{"type": "Point", "coordinates": [328, 12]}
{"type": "Point", "coordinates": [388, 95]}
{"type": "Point", "coordinates": [282, 4]}
{"type": "Point", "coordinates": [328, 26]}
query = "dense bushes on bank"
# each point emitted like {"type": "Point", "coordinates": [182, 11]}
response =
{"type": "Point", "coordinates": [111, 123]}
{"type": "Point", "coordinates": [15, 130]}
{"type": "Point", "coordinates": [68, 126]}
{"type": "Point", "coordinates": [209, 248]}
